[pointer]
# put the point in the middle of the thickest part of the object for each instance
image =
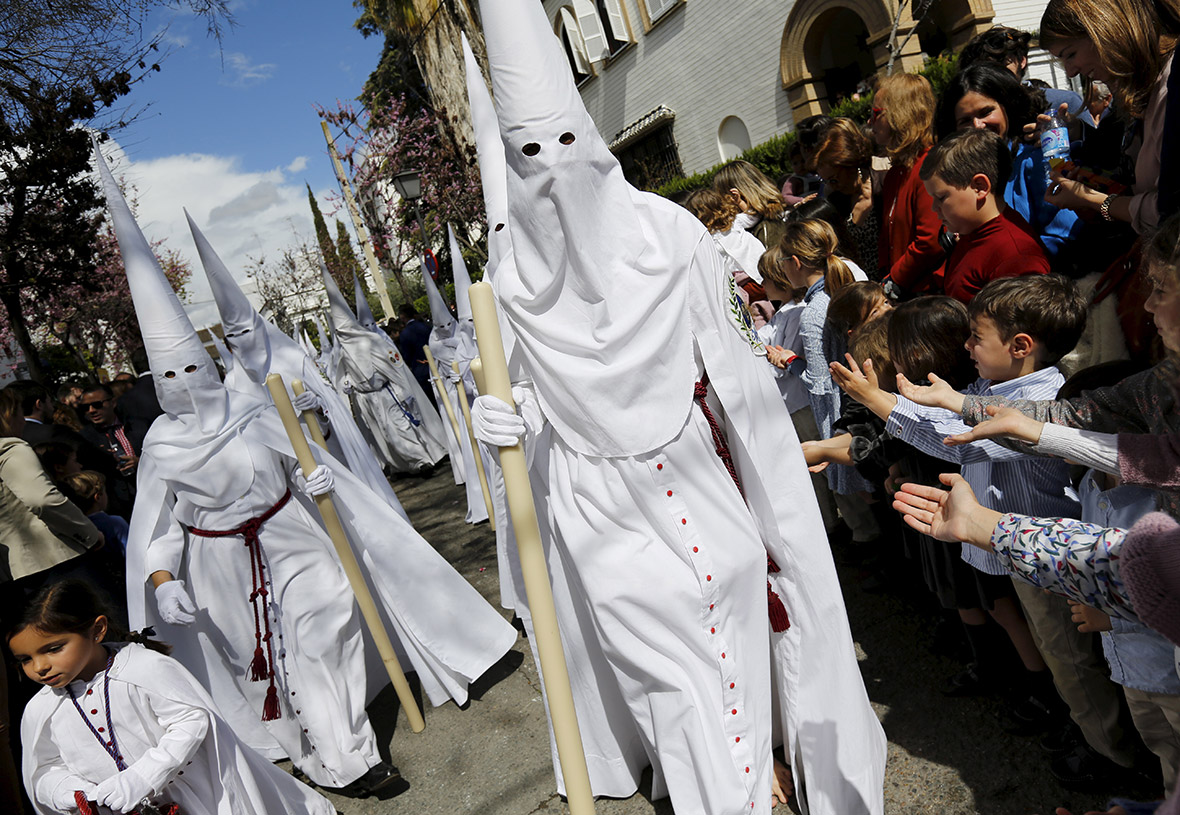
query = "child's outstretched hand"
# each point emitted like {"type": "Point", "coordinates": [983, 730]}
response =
{"type": "Point", "coordinates": [1089, 620]}
{"type": "Point", "coordinates": [780, 357]}
{"type": "Point", "coordinates": [938, 393]}
{"type": "Point", "coordinates": [1005, 422]}
{"type": "Point", "coordinates": [862, 386]}
{"type": "Point", "coordinates": [947, 516]}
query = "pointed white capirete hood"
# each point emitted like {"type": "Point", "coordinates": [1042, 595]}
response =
{"type": "Point", "coordinates": [353, 340]}
{"type": "Point", "coordinates": [462, 278]}
{"type": "Point", "coordinates": [493, 169]}
{"type": "Point", "coordinates": [440, 315]}
{"type": "Point", "coordinates": [364, 314]}
{"type": "Point", "coordinates": [186, 379]}
{"type": "Point", "coordinates": [597, 301]}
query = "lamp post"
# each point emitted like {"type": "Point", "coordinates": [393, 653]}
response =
{"type": "Point", "coordinates": [408, 184]}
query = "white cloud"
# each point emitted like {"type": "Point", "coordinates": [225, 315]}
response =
{"type": "Point", "coordinates": [298, 165]}
{"type": "Point", "coordinates": [245, 215]}
{"type": "Point", "coordinates": [240, 72]}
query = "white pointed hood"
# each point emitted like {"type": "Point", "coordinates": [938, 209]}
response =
{"type": "Point", "coordinates": [597, 300]}
{"type": "Point", "coordinates": [364, 314]}
{"type": "Point", "coordinates": [353, 340]}
{"type": "Point", "coordinates": [493, 170]}
{"type": "Point", "coordinates": [462, 278]}
{"type": "Point", "coordinates": [187, 383]}
{"type": "Point", "coordinates": [440, 315]}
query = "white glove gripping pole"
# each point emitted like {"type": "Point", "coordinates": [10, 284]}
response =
{"type": "Point", "coordinates": [483, 478]}
{"type": "Point", "coordinates": [440, 388]}
{"type": "Point", "coordinates": [532, 564]}
{"type": "Point", "coordinates": [309, 418]}
{"type": "Point", "coordinates": [352, 569]}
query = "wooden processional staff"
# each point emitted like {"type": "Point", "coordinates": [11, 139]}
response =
{"type": "Point", "coordinates": [440, 388]}
{"type": "Point", "coordinates": [532, 563]}
{"type": "Point", "coordinates": [483, 477]}
{"type": "Point", "coordinates": [352, 570]}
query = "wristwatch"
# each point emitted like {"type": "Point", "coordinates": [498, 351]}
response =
{"type": "Point", "coordinates": [1104, 210]}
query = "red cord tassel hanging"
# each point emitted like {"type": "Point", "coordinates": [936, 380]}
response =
{"type": "Point", "coordinates": [779, 621]}
{"type": "Point", "coordinates": [258, 666]}
{"type": "Point", "coordinates": [270, 708]}
{"type": "Point", "coordinates": [771, 566]}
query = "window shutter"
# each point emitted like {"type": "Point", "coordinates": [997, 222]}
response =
{"type": "Point", "coordinates": [590, 25]}
{"type": "Point", "coordinates": [618, 25]}
{"type": "Point", "coordinates": [577, 46]}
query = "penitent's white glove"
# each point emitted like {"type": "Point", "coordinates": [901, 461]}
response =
{"type": "Point", "coordinates": [306, 401]}
{"type": "Point", "coordinates": [494, 422]}
{"type": "Point", "coordinates": [62, 799]}
{"type": "Point", "coordinates": [174, 604]}
{"type": "Point", "coordinates": [123, 791]}
{"type": "Point", "coordinates": [319, 482]}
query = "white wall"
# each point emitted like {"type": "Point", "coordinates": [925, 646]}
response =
{"type": "Point", "coordinates": [706, 60]}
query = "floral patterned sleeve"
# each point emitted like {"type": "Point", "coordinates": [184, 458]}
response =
{"type": "Point", "coordinates": [1068, 557]}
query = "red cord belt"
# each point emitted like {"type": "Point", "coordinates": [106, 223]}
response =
{"type": "Point", "coordinates": [779, 621]}
{"type": "Point", "coordinates": [262, 666]}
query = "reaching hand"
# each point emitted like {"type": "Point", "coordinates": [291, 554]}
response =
{"type": "Point", "coordinates": [123, 791]}
{"type": "Point", "coordinates": [948, 516]}
{"type": "Point", "coordinates": [780, 357]}
{"type": "Point", "coordinates": [852, 380]}
{"type": "Point", "coordinates": [319, 482]}
{"type": "Point", "coordinates": [174, 604]}
{"type": "Point", "coordinates": [1006, 422]}
{"type": "Point", "coordinates": [495, 422]}
{"type": "Point", "coordinates": [1089, 620]}
{"type": "Point", "coordinates": [1066, 193]}
{"type": "Point", "coordinates": [938, 393]}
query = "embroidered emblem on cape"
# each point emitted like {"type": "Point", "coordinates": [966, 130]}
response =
{"type": "Point", "coordinates": [743, 320]}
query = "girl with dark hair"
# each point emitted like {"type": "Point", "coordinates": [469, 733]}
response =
{"type": "Point", "coordinates": [986, 97]}
{"type": "Point", "coordinates": [120, 724]}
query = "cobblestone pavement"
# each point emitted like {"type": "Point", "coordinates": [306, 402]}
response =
{"type": "Point", "coordinates": [946, 756]}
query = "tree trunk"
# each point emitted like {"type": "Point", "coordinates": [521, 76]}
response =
{"type": "Point", "coordinates": [440, 61]}
{"type": "Point", "coordinates": [10, 298]}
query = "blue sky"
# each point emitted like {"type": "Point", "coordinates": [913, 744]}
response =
{"type": "Point", "coordinates": [232, 133]}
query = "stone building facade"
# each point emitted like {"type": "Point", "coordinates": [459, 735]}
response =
{"type": "Point", "coordinates": [680, 85]}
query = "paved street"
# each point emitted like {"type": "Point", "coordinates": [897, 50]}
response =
{"type": "Point", "coordinates": [946, 756]}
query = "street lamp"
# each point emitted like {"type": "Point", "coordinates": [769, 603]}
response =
{"type": "Point", "coordinates": [408, 184]}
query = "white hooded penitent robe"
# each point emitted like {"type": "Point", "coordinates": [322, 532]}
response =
{"type": "Point", "coordinates": [448, 631]}
{"type": "Point", "coordinates": [167, 728]}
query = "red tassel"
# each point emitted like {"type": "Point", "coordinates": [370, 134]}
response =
{"type": "Point", "coordinates": [270, 708]}
{"type": "Point", "coordinates": [779, 621]}
{"type": "Point", "coordinates": [771, 566]}
{"type": "Point", "coordinates": [83, 805]}
{"type": "Point", "coordinates": [258, 669]}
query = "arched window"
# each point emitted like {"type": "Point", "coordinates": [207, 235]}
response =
{"type": "Point", "coordinates": [733, 138]}
{"type": "Point", "coordinates": [575, 46]}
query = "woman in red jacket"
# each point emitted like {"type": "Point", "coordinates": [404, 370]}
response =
{"type": "Point", "coordinates": [903, 124]}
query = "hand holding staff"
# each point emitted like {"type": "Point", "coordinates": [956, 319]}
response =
{"type": "Point", "coordinates": [309, 417]}
{"type": "Point", "coordinates": [483, 478]}
{"type": "Point", "coordinates": [440, 388]}
{"type": "Point", "coordinates": [352, 569]}
{"type": "Point", "coordinates": [532, 564]}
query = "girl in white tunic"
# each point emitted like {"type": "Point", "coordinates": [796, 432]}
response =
{"type": "Point", "coordinates": [117, 723]}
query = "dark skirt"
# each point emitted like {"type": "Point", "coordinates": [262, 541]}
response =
{"type": "Point", "coordinates": [955, 582]}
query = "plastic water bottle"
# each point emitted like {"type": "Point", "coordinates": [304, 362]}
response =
{"type": "Point", "coordinates": [1054, 144]}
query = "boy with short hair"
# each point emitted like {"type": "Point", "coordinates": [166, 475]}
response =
{"type": "Point", "coordinates": [1020, 328]}
{"type": "Point", "coordinates": [965, 174]}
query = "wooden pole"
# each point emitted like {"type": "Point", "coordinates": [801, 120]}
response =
{"type": "Point", "coordinates": [362, 233]}
{"type": "Point", "coordinates": [532, 564]}
{"type": "Point", "coordinates": [309, 417]}
{"type": "Point", "coordinates": [352, 570]}
{"type": "Point", "coordinates": [441, 388]}
{"type": "Point", "coordinates": [483, 478]}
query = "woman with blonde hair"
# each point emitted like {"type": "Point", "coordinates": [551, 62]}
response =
{"type": "Point", "coordinates": [1129, 45]}
{"type": "Point", "coordinates": [740, 250]}
{"type": "Point", "coordinates": [760, 202]}
{"type": "Point", "coordinates": [810, 260]}
{"type": "Point", "coordinates": [903, 125]}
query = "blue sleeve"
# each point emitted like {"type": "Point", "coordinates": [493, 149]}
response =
{"type": "Point", "coordinates": [1025, 193]}
{"type": "Point", "coordinates": [925, 428]}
